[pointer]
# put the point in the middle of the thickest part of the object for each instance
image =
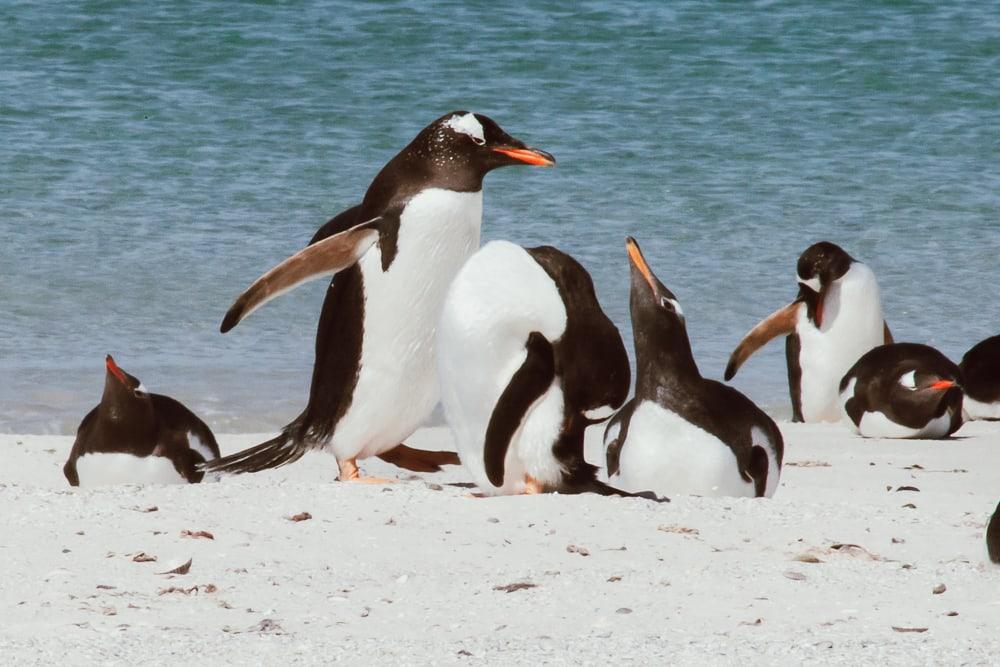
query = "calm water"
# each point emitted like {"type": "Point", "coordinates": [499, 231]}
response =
{"type": "Point", "coordinates": [156, 157]}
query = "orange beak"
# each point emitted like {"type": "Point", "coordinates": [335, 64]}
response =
{"type": "Point", "coordinates": [531, 156]}
{"type": "Point", "coordinates": [943, 384]}
{"type": "Point", "coordinates": [112, 367]}
{"type": "Point", "coordinates": [639, 261]}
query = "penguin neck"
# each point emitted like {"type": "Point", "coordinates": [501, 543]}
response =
{"type": "Point", "coordinates": [121, 410]}
{"type": "Point", "coordinates": [663, 356]}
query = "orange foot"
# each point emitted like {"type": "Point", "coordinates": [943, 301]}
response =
{"type": "Point", "coordinates": [349, 473]}
{"type": "Point", "coordinates": [418, 460]}
{"type": "Point", "coordinates": [532, 486]}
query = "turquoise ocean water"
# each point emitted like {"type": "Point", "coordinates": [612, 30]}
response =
{"type": "Point", "coordinates": [156, 157]}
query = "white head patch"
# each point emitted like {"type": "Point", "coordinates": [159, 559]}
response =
{"type": "Point", "coordinates": [677, 307]}
{"type": "Point", "coordinates": [468, 125]}
{"type": "Point", "coordinates": [909, 380]}
{"type": "Point", "coordinates": [813, 283]}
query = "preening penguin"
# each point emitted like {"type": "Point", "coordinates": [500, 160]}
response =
{"type": "Point", "coordinates": [981, 380]}
{"type": "Point", "coordinates": [682, 433]}
{"type": "Point", "coordinates": [903, 390]}
{"type": "Point", "coordinates": [836, 318]}
{"type": "Point", "coordinates": [527, 360]}
{"type": "Point", "coordinates": [134, 437]}
{"type": "Point", "coordinates": [394, 255]}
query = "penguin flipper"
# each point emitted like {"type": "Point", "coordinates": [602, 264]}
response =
{"type": "Point", "coordinates": [331, 255]}
{"type": "Point", "coordinates": [527, 385]}
{"type": "Point", "coordinates": [781, 321]}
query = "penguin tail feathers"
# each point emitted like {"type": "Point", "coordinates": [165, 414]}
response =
{"type": "Point", "coordinates": [274, 453]}
{"type": "Point", "coordinates": [583, 479]}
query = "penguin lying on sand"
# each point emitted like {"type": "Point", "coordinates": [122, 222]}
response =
{"type": "Point", "coordinates": [134, 437]}
{"type": "Point", "coordinates": [683, 433]}
{"type": "Point", "coordinates": [981, 380]}
{"type": "Point", "coordinates": [903, 390]}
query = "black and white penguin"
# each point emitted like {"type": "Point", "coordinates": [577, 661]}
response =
{"type": "Point", "coordinates": [836, 318]}
{"type": "Point", "coordinates": [981, 380]}
{"type": "Point", "coordinates": [683, 433]}
{"type": "Point", "coordinates": [134, 437]}
{"type": "Point", "coordinates": [903, 390]}
{"type": "Point", "coordinates": [993, 536]}
{"type": "Point", "coordinates": [527, 360]}
{"type": "Point", "coordinates": [394, 256]}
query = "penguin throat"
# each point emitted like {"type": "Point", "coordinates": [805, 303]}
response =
{"type": "Point", "coordinates": [664, 354]}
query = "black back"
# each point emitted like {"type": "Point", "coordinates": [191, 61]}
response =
{"type": "Point", "coordinates": [878, 372]}
{"type": "Point", "coordinates": [981, 371]}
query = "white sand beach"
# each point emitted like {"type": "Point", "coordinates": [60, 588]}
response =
{"type": "Point", "coordinates": [417, 573]}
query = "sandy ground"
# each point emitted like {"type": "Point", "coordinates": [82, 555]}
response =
{"type": "Point", "coordinates": [414, 573]}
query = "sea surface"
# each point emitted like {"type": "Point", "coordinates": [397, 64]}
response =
{"type": "Point", "coordinates": [155, 158]}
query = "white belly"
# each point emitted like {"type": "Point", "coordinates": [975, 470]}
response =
{"type": "Point", "coordinates": [853, 323]}
{"type": "Point", "coordinates": [397, 385]}
{"type": "Point", "coordinates": [499, 297]}
{"type": "Point", "coordinates": [101, 469]}
{"type": "Point", "coordinates": [669, 455]}
{"type": "Point", "coordinates": [877, 425]}
{"type": "Point", "coordinates": [974, 409]}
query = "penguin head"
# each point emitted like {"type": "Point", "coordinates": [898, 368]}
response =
{"type": "Point", "coordinates": [819, 267]}
{"type": "Point", "coordinates": [658, 326]}
{"type": "Point", "coordinates": [650, 302]}
{"type": "Point", "coordinates": [922, 376]}
{"type": "Point", "coordinates": [123, 393]}
{"type": "Point", "coordinates": [462, 139]}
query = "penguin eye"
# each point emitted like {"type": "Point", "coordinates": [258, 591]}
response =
{"type": "Point", "coordinates": [477, 141]}
{"type": "Point", "coordinates": [666, 304]}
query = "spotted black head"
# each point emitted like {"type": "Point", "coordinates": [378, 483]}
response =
{"type": "Point", "coordinates": [124, 394]}
{"type": "Point", "coordinates": [658, 326]}
{"type": "Point", "coordinates": [819, 267]}
{"type": "Point", "coordinates": [458, 149]}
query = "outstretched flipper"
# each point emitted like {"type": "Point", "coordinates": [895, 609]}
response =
{"type": "Point", "coordinates": [331, 255]}
{"type": "Point", "coordinates": [527, 385]}
{"type": "Point", "coordinates": [780, 322]}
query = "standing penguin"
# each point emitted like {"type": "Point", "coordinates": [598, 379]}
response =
{"type": "Point", "coordinates": [981, 380]}
{"type": "Point", "coordinates": [903, 390]}
{"type": "Point", "coordinates": [134, 437]}
{"type": "Point", "coordinates": [527, 360]}
{"type": "Point", "coordinates": [393, 257]}
{"type": "Point", "coordinates": [683, 433]}
{"type": "Point", "coordinates": [836, 318]}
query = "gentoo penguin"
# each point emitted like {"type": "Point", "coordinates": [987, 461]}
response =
{"type": "Point", "coordinates": [903, 390]}
{"type": "Point", "coordinates": [683, 433]}
{"type": "Point", "coordinates": [134, 437]}
{"type": "Point", "coordinates": [981, 380]}
{"type": "Point", "coordinates": [993, 536]}
{"type": "Point", "coordinates": [527, 360]}
{"type": "Point", "coordinates": [836, 318]}
{"type": "Point", "coordinates": [393, 257]}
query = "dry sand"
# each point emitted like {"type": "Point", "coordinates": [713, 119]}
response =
{"type": "Point", "coordinates": [415, 572]}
